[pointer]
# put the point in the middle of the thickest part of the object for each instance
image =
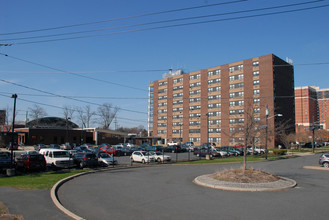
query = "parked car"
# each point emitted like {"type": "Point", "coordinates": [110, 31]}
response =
{"type": "Point", "coordinates": [127, 151]}
{"type": "Point", "coordinates": [38, 147]}
{"type": "Point", "coordinates": [187, 148]}
{"type": "Point", "coordinates": [54, 146]}
{"type": "Point", "coordinates": [154, 148]}
{"type": "Point", "coordinates": [144, 145]}
{"type": "Point", "coordinates": [324, 160]}
{"type": "Point", "coordinates": [5, 160]}
{"type": "Point", "coordinates": [31, 160]}
{"type": "Point", "coordinates": [230, 150]}
{"type": "Point", "coordinates": [57, 158]}
{"type": "Point", "coordinates": [173, 149]}
{"type": "Point", "coordinates": [129, 145]}
{"type": "Point", "coordinates": [142, 156]}
{"type": "Point", "coordinates": [172, 143]}
{"type": "Point", "coordinates": [259, 150]}
{"type": "Point", "coordinates": [160, 157]}
{"type": "Point", "coordinates": [85, 159]}
{"type": "Point", "coordinates": [118, 149]}
{"type": "Point", "coordinates": [110, 150]}
{"type": "Point", "coordinates": [105, 159]}
{"type": "Point", "coordinates": [203, 152]}
{"type": "Point", "coordinates": [309, 145]}
{"type": "Point", "coordinates": [15, 146]}
{"type": "Point", "coordinates": [221, 152]}
{"type": "Point", "coordinates": [65, 146]}
{"type": "Point", "coordinates": [82, 149]}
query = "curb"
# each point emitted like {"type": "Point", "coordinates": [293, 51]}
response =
{"type": "Point", "coordinates": [279, 185]}
{"type": "Point", "coordinates": [54, 197]}
{"type": "Point", "coordinates": [315, 168]}
{"type": "Point", "coordinates": [54, 190]}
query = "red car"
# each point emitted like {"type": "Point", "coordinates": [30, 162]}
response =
{"type": "Point", "coordinates": [109, 150]}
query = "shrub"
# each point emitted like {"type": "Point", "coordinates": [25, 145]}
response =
{"type": "Point", "coordinates": [279, 152]}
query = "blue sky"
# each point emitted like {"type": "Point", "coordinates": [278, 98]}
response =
{"type": "Point", "coordinates": [117, 65]}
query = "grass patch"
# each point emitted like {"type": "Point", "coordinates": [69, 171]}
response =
{"type": "Point", "coordinates": [226, 160]}
{"type": "Point", "coordinates": [40, 180]}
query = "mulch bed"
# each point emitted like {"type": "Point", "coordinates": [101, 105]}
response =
{"type": "Point", "coordinates": [245, 176]}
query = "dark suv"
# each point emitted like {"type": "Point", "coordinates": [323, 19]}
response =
{"type": "Point", "coordinates": [31, 161]}
{"type": "Point", "coordinates": [324, 160]}
{"type": "Point", "coordinates": [85, 159]}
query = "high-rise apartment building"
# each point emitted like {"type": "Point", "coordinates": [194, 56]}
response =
{"type": "Point", "coordinates": [210, 105]}
{"type": "Point", "coordinates": [311, 107]}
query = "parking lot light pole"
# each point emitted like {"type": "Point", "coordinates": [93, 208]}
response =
{"type": "Point", "coordinates": [14, 96]}
{"type": "Point", "coordinates": [267, 113]}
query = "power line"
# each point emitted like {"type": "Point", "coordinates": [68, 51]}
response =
{"type": "Point", "coordinates": [71, 73]}
{"type": "Point", "coordinates": [62, 96]}
{"type": "Point", "coordinates": [175, 25]}
{"type": "Point", "coordinates": [124, 18]}
{"type": "Point", "coordinates": [54, 106]}
{"type": "Point", "coordinates": [166, 21]}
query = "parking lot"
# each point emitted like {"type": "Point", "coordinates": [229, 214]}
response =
{"type": "Point", "coordinates": [167, 192]}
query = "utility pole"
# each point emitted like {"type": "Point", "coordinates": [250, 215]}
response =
{"type": "Point", "coordinates": [14, 96]}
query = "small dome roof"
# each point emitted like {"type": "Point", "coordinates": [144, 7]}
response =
{"type": "Point", "coordinates": [50, 122]}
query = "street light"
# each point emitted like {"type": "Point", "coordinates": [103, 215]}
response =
{"type": "Point", "coordinates": [14, 96]}
{"type": "Point", "coordinates": [267, 113]}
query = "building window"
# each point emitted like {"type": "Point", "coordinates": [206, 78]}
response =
{"type": "Point", "coordinates": [234, 68]}
{"type": "Point", "coordinates": [256, 91]}
{"type": "Point", "coordinates": [194, 123]}
{"type": "Point", "coordinates": [237, 112]}
{"type": "Point", "coordinates": [195, 100]}
{"type": "Point", "coordinates": [195, 115]}
{"type": "Point", "coordinates": [215, 72]}
{"type": "Point", "coordinates": [163, 83]}
{"type": "Point", "coordinates": [194, 131]}
{"type": "Point", "coordinates": [213, 81]}
{"type": "Point", "coordinates": [178, 95]}
{"type": "Point", "coordinates": [255, 63]}
{"type": "Point", "coordinates": [195, 107]}
{"type": "Point", "coordinates": [256, 110]}
{"type": "Point", "coordinates": [237, 103]}
{"type": "Point", "coordinates": [215, 122]}
{"type": "Point", "coordinates": [178, 80]}
{"type": "Point", "coordinates": [162, 97]}
{"type": "Point", "coordinates": [256, 82]}
{"type": "Point", "coordinates": [162, 104]}
{"type": "Point", "coordinates": [214, 89]}
{"type": "Point", "coordinates": [177, 88]}
{"type": "Point", "coordinates": [197, 84]}
{"type": "Point", "coordinates": [236, 77]}
{"type": "Point", "coordinates": [256, 101]}
{"type": "Point", "coordinates": [255, 73]}
{"type": "Point", "coordinates": [198, 140]}
{"type": "Point", "coordinates": [196, 76]}
{"type": "Point", "coordinates": [236, 85]}
{"type": "Point", "coordinates": [214, 105]}
{"type": "Point", "coordinates": [177, 102]}
{"type": "Point", "coordinates": [195, 92]}
{"type": "Point", "coordinates": [214, 97]}
{"type": "Point", "coordinates": [236, 94]}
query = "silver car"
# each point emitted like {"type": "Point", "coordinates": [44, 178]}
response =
{"type": "Point", "coordinates": [324, 160]}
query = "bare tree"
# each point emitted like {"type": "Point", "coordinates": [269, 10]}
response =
{"type": "Point", "coordinates": [107, 113]}
{"type": "Point", "coordinates": [85, 115]}
{"type": "Point", "coordinates": [283, 133]}
{"type": "Point", "coordinates": [37, 112]}
{"type": "Point", "coordinates": [68, 112]}
{"type": "Point", "coordinates": [247, 129]}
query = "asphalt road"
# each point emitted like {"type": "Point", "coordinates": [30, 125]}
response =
{"type": "Point", "coordinates": [167, 192]}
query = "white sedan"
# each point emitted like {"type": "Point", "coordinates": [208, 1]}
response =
{"type": "Point", "coordinates": [160, 157]}
{"type": "Point", "coordinates": [142, 156]}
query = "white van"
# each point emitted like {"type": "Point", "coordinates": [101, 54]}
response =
{"type": "Point", "coordinates": [57, 158]}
